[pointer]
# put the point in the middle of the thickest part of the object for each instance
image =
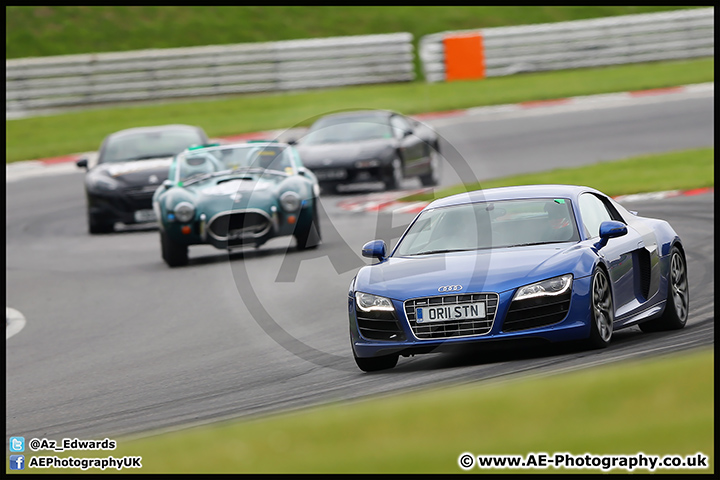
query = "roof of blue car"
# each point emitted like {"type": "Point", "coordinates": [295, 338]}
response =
{"type": "Point", "coordinates": [509, 193]}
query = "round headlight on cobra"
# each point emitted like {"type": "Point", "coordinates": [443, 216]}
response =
{"type": "Point", "coordinates": [184, 212]}
{"type": "Point", "coordinates": [290, 201]}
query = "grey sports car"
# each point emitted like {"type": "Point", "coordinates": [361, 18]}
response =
{"type": "Point", "coordinates": [131, 164]}
{"type": "Point", "coordinates": [370, 145]}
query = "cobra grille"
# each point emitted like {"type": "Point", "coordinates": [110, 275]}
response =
{"type": "Point", "coordinates": [238, 225]}
{"type": "Point", "coordinates": [453, 328]}
{"type": "Point", "coordinates": [379, 325]}
{"type": "Point", "coordinates": [536, 312]}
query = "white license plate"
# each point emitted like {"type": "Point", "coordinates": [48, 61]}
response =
{"type": "Point", "coordinates": [142, 216]}
{"type": "Point", "coordinates": [450, 313]}
{"type": "Point", "coordinates": [331, 174]}
{"type": "Point", "coordinates": [240, 234]}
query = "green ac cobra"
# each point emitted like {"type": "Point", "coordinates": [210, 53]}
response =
{"type": "Point", "coordinates": [235, 195]}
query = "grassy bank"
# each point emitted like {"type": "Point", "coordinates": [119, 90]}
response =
{"type": "Point", "coordinates": [658, 406]}
{"type": "Point", "coordinates": [683, 170]}
{"type": "Point", "coordinates": [44, 30]}
{"type": "Point", "coordinates": [41, 137]}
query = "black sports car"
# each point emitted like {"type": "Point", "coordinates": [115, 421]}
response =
{"type": "Point", "coordinates": [370, 145]}
{"type": "Point", "coordinates": [131, 164]}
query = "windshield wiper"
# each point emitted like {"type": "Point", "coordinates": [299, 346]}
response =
{"type": "Point", "coordinates": [428, 252]}
{"type": "Point", "coordinates": [524, 244]}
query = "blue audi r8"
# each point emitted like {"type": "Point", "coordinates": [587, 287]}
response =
{"type": "Point", "coordinates": [544, 262]}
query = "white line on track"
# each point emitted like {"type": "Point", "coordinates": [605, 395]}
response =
{"type": "Point", "coordinates": [15, 322]}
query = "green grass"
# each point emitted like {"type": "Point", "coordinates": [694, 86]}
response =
{"type": "Point", "coordinates": [657, 406]}
{"type": "Point", "coordinates": [44, 30]}
{"type": "Point", "coordinates": [41, 137]}
{"type": "Point", "coordinates": [682, 170]}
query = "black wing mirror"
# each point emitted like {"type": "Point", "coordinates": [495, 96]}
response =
{"type": "Point", "coordinates": [82, 163]}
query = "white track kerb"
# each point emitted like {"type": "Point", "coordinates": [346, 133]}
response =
{"type": "Point", "coordinates": [15, 321]}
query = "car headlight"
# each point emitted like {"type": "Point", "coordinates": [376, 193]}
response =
{"type": "Point", "coordinates": [549, 287]}
{"type": "Point", "coordinates": [102, 183]}
{"type": "Point", "coordinates": [368, 302]}
{"type": "Point", "coordinates": [184, 212]}
{"type": "Point", "coordinates": [290, 201]}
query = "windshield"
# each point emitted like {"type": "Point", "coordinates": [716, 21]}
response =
{"type": "Point", "coordinates": [490, 225]}
{"type": "Point", "coordinates": [144, 145]}
{"type": "Point", "coordinates": [239, 159]}
{"type": "Point", "coordinates": [347, 130]}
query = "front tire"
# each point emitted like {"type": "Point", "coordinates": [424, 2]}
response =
{"type": "Point", "coordinates": [432, 178]}
{"type": "Point", "coordinates": [97, 225]}
{"type": "Point", "coordinates": [308, 235]}
{"type": "Point", "coordinates": [175, 255]}
{"type": "Point", "coordinates": [602, 313]}
{"type": "Point", "coordinates": [677, 301]}
{"type": "Point", "coordinates": [374, 364]}
{"type": "Point", "coordinates": [330, 189]}
{"type": "Point", "coordinates": [394, 178]}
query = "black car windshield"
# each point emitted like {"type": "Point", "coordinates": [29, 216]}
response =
{"type": "Point", "coordinates": [485, 225]}
{"type": "Point", "coordinates": [352, 129]}
{"type": "Point", "coordinates": [144, 145]}
{"type": "Point", "coordinates": [235, 159]}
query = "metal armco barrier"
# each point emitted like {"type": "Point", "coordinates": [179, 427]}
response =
{"type": "Point", "coordinates": [474, 54]}
{"type": "Point", "coordinates": [81, 80]}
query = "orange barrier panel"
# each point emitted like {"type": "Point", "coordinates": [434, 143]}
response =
{"type": "Point", "coordinates": [464, 57]}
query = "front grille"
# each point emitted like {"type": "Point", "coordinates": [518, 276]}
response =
{"type": "Point", "coordinates": [379, 325]}
{"type": "Point", "coordinates": [449, 329]}
{"type": "Point", "coordinates": [142, 190]}
{"type": "Point", "coordinates": [239, 225]}
{"type": "Point", "coordinates": [537, 312]}
{"type": "Point", "coordinates": [328, 174]}
{"type": "Point", "coordinates": [139, 198]}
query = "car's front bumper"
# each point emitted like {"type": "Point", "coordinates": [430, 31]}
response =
{"type": "Point", "coordinates": [121, 206]}
{"type": "Point", "coordinates": [200, 229]}
{"type": "Point", "coordinates": [351, 173]}
{"type": "Point", "coordinates": [575, 325]}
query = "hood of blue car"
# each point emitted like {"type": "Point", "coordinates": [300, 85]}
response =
{"type": "Point", "coordinates": [342, 153]}
{"type": "Point", "coordinates": [496, 270]}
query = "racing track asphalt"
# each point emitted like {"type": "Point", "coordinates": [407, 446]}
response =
{"type": "Point", "coordinates": [118, 344]}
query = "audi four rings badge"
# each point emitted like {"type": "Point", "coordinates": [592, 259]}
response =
{"type": "Point", "coordinates": [450, 288]}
